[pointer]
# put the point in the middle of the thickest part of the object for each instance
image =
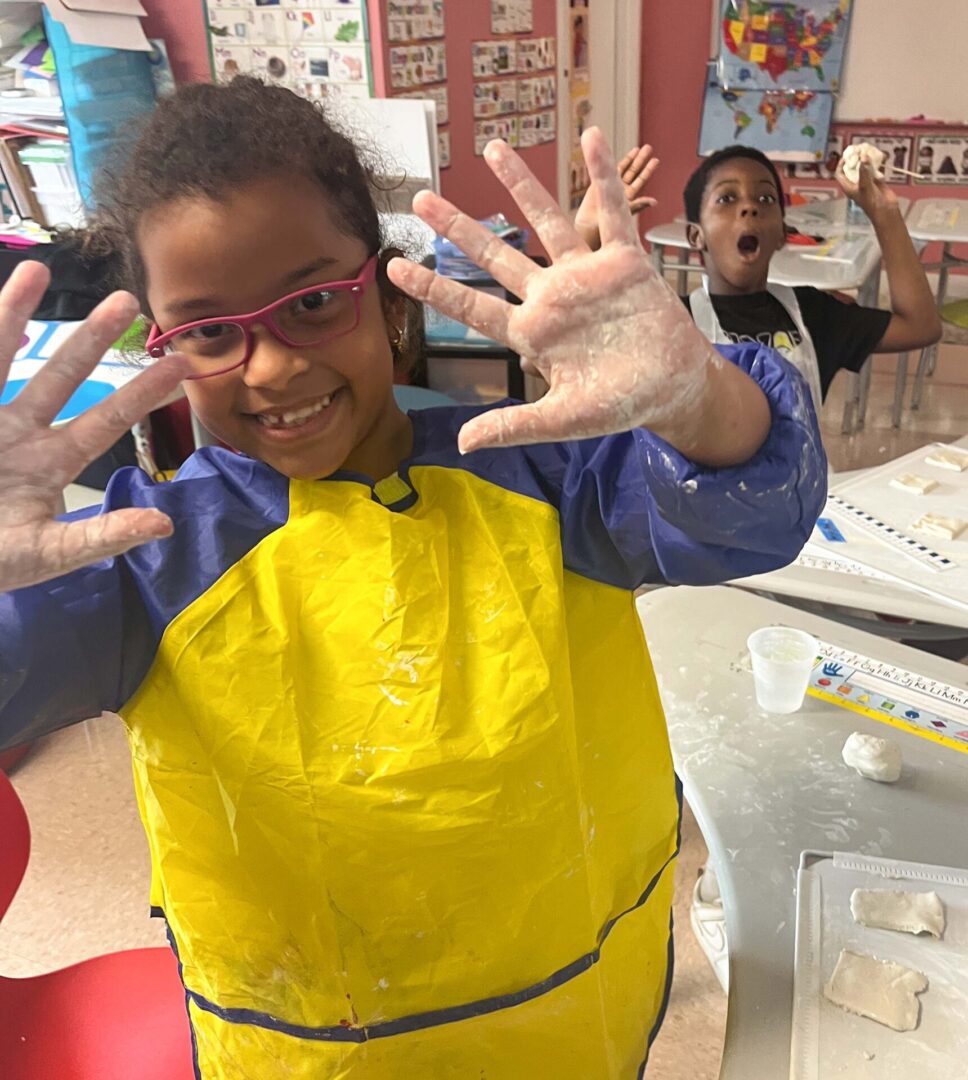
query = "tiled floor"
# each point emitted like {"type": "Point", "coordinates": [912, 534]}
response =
{"type": "Point", "coordinates": [86, 887]}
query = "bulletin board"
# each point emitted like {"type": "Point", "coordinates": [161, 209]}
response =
{"type": "Point", "coordinates": [319, 49]}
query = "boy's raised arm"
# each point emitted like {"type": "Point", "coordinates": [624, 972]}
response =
{"type": "Point", "coordinates": [914, 314]}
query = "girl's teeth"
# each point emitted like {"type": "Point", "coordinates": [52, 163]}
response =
{"type": "Point", "coordinates": [296, 416]}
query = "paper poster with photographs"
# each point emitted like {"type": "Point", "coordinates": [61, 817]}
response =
{"type": "Point", "coordinates": [414, 20]}
{"type": "Point", "coordinates": [316, 50]}
{"type": "Point", "coordinates": [535, 54]}
{"type": "Point", "coordinates": [821, 170]}
{"type": "Point", "coordinates": [505, 128]}
{"type": "Point", "coordinates": [443, 149]}
{"type": "Point", "coordinates": [415, 65]}
{"type": "Point", "coordinates": [898, 148]}
{"type": "Point", "coordinates": [537, 128]}
{"type": "Point", "coordinates": [498, 98]}
{"type": "Point", "coordinates": [490, 58]}
{"type": "Point", "coordinates": [537, 93]}
{"type": "Point", "coordinates": [437, 94]}
{"type": "Point", "coordinates": [942, 159]}
{"type": "Point", "coordinates": [512, 16]}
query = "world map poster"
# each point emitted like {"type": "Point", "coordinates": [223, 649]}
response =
{"type": "Point", "coordinates": [770, 45]}
{"type": "Point", "coordinates": [787, 125]}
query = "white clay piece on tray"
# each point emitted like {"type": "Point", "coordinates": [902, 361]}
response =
{"type": "Point", "coordinates": [893, 909]}
{"type": "Point", "coordinates": [915, 485]}
{"type": "Point", "coordinates": [874, 758]}
{"type": "Point", "coordinates": [877, 989]}
{"type": "Point", "coordinates": [939, 526]}
{"type": "Point", "coordinates": [954, 460]}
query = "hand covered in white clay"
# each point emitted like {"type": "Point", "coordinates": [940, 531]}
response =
{"type": "Point", "coordinates": [859, 152]}
{"type": "Point", "coordinates": [610, 337]}
{"type": "Point", "coordinates": [37, 461]}
{"type": "Point", "coordinates": [859, 174]}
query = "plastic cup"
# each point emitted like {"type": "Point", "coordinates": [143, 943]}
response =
{"type": "Point", "coordinates": [782, 661]}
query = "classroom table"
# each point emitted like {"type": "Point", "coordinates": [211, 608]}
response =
{"type": "Point", "coordinates": [765, 788]}
{"type": "Point", "coordinates": [938, 621]}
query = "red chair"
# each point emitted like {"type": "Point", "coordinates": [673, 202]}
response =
{"type": "Point", "coordinates": [116, 1017]}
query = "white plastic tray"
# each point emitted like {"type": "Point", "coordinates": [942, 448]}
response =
{"type": "Point", "coordinates": [831, 1044]}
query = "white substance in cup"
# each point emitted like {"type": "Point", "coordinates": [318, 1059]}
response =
{"type": "Point", "coordinates": [874, 758]}
{"type": "Point", "coordinates": [782, 660]}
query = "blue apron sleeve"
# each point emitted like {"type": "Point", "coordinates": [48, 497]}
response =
{"type": "Point", "coordinates": [69, 649]}
{"type": "Point", "coordinates": [81, 644]}
{"type": "Point", "coordinates": [635, 511]}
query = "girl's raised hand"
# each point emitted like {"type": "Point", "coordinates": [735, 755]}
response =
{"type": "Point", "coordinates": [612, 340]}
{"type": "Point", "coordinates": [37, 461]}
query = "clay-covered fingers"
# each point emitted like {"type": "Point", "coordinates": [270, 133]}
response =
{"type": "Point", "coordinates": [59, 547]}
{"type": "Point", "coordinates": [100, 427]}
{"type": "Point", "coordinates": [614, 219]}
{"type": "Point", "coordinates": [51, 388]}
{"type": "Point", "coordinates": [485, 313]}
{"type": "Point", "coordinates": [507, 265]}
{"type": "Point", "coordinates": [517, 425]}
{"type": "Point", "coordinates": [19, 298]}
{"type": "Point", "coordinates": [544, 215]}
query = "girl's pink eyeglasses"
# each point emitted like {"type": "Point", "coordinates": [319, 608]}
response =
{"type": "Point", "coordinates": [308, 317]}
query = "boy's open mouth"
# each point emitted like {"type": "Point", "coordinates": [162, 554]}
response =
{"type": "Point", "coordinates": [748, 244]}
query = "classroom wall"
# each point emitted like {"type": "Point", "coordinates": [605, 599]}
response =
{"type": "Point", "coordinates": [469, 182]}
{"type": "Point", "coordinates": [675, 48]}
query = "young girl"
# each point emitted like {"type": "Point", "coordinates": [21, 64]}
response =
{"type": "Point", "coordinates": [397, 742]}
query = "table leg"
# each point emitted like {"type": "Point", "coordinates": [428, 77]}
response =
{"type": "Point", "coordinates": [946, 262]}
{"type": "Point", "coordinates": [682, 277]}
{"type": "Point", "coordinates": [900, 382]}
{"type": "Point", "coordinates": [864, 393]}
{"type": "Point", "coordinates": [919, 377]}
{"type": "Point", "coordinates": [515, 378]}
{"type": "Point", "coordinates": [658, 258]}
{"type": "Point", "coordinates": [850, 403]}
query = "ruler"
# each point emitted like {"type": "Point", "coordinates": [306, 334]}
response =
{"type": "Point", "coordinates": [909, 546]}
{"type": "Point", "coordinates": [892, 695]}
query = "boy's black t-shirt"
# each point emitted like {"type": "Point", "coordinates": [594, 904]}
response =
{"type": "Point", "coordinates": [844, 335]}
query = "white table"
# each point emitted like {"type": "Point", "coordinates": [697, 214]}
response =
{"type": "Point", "coordinates": [765, 788]}
{"type": "Point", "coordinates": [850, 591]}
{"type": "Point", "coordinates": [944, 221]}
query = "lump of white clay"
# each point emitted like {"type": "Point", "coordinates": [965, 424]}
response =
{"type": "Point", "coordinates": [937, 525]}
{"type": "Point", "coordinates": [948, 459]}
{"type": "Point", "coordinates": [856, 153]}
{"type": "Point", "coordinates": [874, 758]}
{"type": "Point", "coordinates": [878, 989]}
{"type": "Point", "coordinates": [891, 909]}
{"type": "Point", "coordinates": [916, 485]}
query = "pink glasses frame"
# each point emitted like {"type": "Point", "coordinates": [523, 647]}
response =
{"type": "Point", "coordinates": [156, 342]}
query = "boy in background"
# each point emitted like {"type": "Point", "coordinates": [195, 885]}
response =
{"type": "Point", "coordinates": [734, 206]}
